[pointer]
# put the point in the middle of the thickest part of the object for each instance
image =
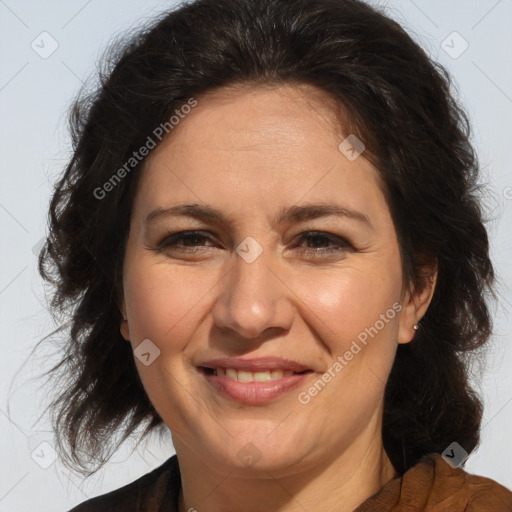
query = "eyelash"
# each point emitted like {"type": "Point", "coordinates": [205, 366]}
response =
{"type": "Point", "coordinates": [171, 240]}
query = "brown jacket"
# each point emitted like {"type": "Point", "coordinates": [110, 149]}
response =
{"type": "Point", "coordinates": [430, 486]}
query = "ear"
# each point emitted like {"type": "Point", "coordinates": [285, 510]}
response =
{"type": "Point", "coordinates": [417, 300]}
{"type": "Point", "coordinates": [125, 328]}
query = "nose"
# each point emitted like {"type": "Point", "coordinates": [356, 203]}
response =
{"type": "Point", "coordinates": [254, 300]}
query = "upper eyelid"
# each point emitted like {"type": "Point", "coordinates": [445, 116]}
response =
{"type": "Point", "coordinates": [302, 235]}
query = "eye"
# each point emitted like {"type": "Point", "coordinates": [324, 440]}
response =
{"type": "Point", "coordinates": [187, 241]}
{"type": "Point", "coordinates": [318, 243]}
{"type": "Point", "coordinates": [320, 240]}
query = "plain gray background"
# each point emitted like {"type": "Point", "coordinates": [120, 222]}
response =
{"type": "Point", "coordinates": [35, 93]}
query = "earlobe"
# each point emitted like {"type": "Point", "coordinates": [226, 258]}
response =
{"type": "Point", "coordinates": [124, 327]}
{"type": "Point", "coordinates": [125, 330]}
{"type": "Point", "coordinates": [416, 303]}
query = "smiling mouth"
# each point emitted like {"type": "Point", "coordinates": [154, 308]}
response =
{"type": "Point", "coordinates": [257, 387]}
{"type": "Point", "coordinates": [250, 376]}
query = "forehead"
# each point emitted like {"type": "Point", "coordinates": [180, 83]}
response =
{"type": "Point", "coordinates": [263, 144]}
{"type": "Point", "coordinates": [254, 119]}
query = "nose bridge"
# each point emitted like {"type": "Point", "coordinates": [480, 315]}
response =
{"type": "Point", "coordinates": [252, 298]}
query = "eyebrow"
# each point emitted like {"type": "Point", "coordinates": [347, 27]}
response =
{"type": "Point", "coordinates": [291, 214]}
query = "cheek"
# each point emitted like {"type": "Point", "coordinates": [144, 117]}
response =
{"type": "Point", "coordinates": [348, 301]}
{"type": "Point", "coordinates": [164, 305]}
{"type": "Point", "coordinates": [163, 301]}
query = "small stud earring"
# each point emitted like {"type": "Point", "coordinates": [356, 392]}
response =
{"type": "Point", "coordinates": [415, 327]}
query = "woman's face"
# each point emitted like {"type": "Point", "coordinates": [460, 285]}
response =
{"type": "Point", "coordinates": [310, 288]}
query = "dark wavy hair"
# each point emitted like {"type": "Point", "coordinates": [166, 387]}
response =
{"type": "Point", "coordinates": [398, 102]}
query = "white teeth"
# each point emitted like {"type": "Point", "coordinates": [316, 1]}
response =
{"type": "Point", "coordinates": [231, 374]}
{"type": "Point", "coordinates": [245, 376]}
{"type": "Point", "coordinates": [261, 376]}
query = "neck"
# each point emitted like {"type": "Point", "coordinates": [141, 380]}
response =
{"type": "Point", "coordinates": [339, 483]}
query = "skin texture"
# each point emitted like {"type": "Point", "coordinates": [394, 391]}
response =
{"type": "Point", "coordinates": [249, 152]}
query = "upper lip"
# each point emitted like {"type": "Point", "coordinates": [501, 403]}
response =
{"type": "Point", "coordinates": [254, 365]}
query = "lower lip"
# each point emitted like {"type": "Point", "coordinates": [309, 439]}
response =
{"type": "Point", "coordinates": [255, 393]}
